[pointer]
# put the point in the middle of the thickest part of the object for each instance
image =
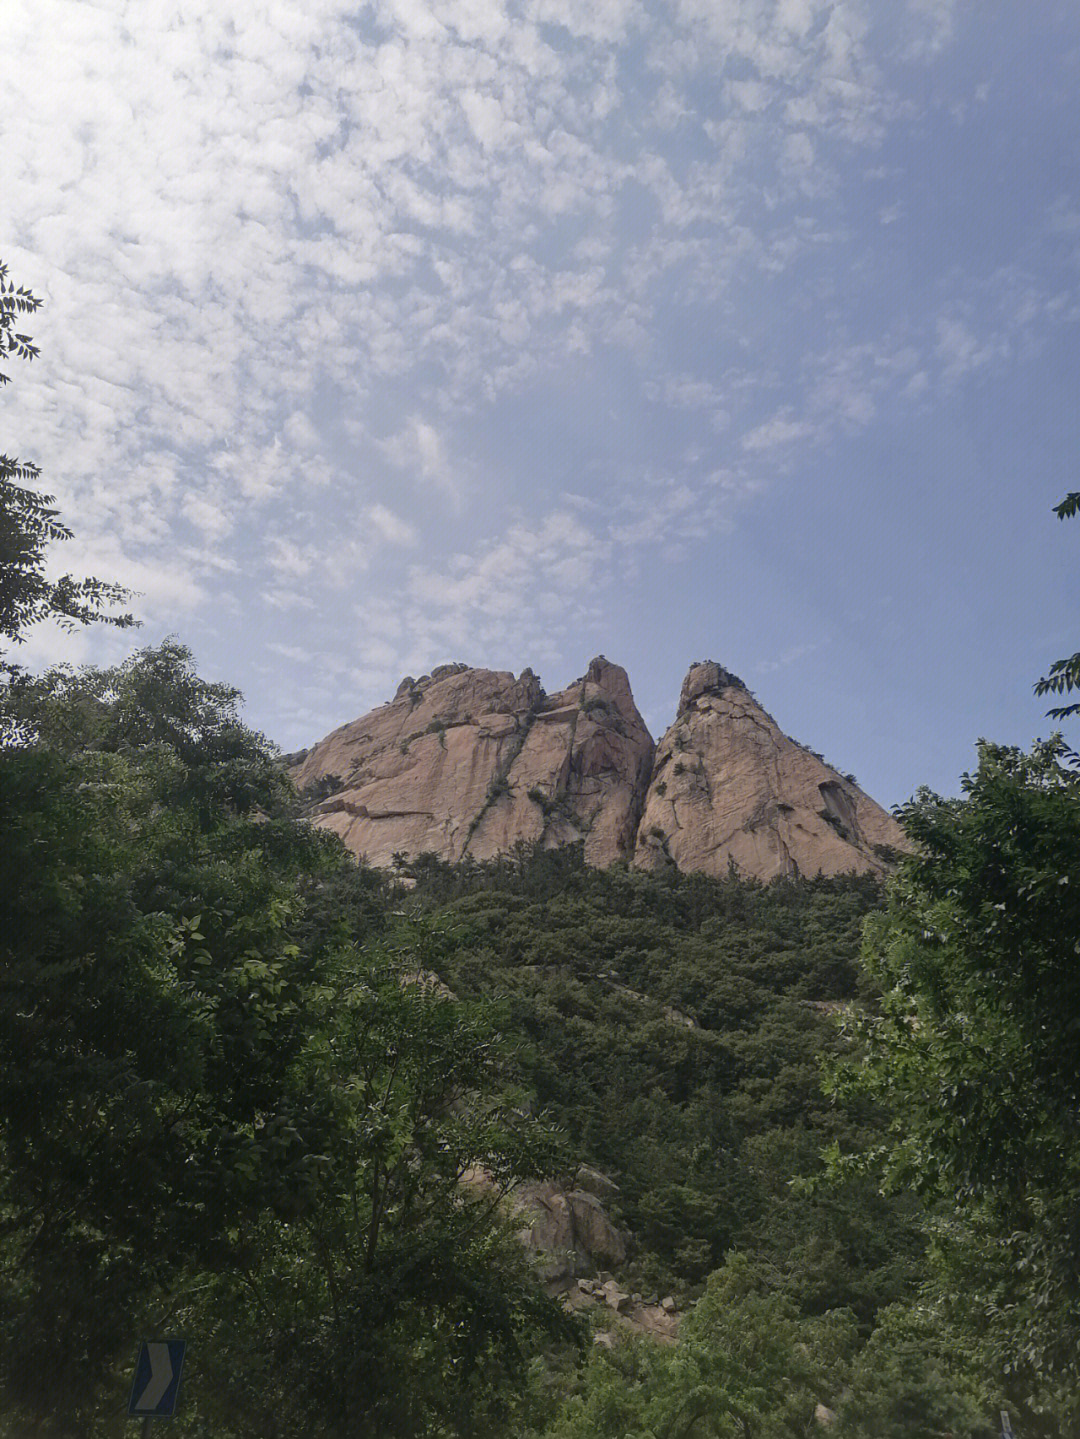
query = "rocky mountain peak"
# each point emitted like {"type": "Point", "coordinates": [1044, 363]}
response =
{"type": "Point", "coordinates": [729, 787]}
{"type": "Point", "coordinates": [470, 761]}
{"type": "Point", "coordinates": [706, 677]}
{"type": "Point", "coordinates": [466, 761]}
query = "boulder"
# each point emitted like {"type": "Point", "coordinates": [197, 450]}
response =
{"type": "Point", "coordinates": [616, 1298]}
{"type": "Point", "coordinates": [593, 1182]}
{"type": "Point", "coordinates": [567, 1230]}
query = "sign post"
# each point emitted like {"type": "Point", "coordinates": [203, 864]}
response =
{"type": "Point", "coordinates": [157, 1380]}
{"type": "Point", "coordinates": [1006, 1426]}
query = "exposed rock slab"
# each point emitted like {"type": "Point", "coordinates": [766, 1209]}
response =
{"type": "Point", "coordinates": [470, 761]}
{"type": "Point", "coordinates": [567, 1231]}
{"type": "Point", "coordinates": [729, 787]}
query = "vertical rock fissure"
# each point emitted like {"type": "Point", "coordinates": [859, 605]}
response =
{"type": "Point", "coordinates": [501, 780]}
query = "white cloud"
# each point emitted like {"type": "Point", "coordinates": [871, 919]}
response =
{"type": "Point", "coordinates": [391, 528]}
{"type": "Point", "coordinates": [960, 350]}
{"type": "Point", "coordinates": [209, 517]}
{"type": "Point", "coordinates": [302, 261]}
{"type": "Point", "coordinates": [778, 431]}
{"type": "Point", "coordinates": [285, 557]}
{"type": "Point", "coordinates": [932, 25]}
{"type": "Point", "coordinates": [418, 450]}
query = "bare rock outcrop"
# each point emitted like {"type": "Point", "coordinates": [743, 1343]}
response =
{"type": "Point", "coordinates": [728, 786]}
{"type": "Point", "coordinates": [567, 1230]}
{"type": "Point", "coordinates": [470, 761]}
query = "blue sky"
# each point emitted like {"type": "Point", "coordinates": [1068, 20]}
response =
{"type": "Point", "coordinates": [388, 335]}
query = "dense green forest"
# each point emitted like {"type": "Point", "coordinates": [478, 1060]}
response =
{"type": "Point", "coordinates": [235, 1105]}
{"type": "Point", "coordinates": [247, 1086]}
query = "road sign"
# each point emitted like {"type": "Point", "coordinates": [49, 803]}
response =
{"type": "Point", "coordinates": [1006, 1426]}
{"type": "Point", "coordinates": [157, 1378]}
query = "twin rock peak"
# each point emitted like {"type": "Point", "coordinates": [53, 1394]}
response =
{"type": "Point", "coordinates": [467, 762]}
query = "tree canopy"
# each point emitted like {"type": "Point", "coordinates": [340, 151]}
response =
{"type": "Point", "coordinates": [219, 1097]}
{"type": "Point", "coordinates": [1063, 675]}
{"type": "Point", "coordinates": [972, 1054]}
{"type": "Point", "coordinates": [30, 523]}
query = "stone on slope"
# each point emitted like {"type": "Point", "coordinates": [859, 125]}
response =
{"type": "Point", "coordinates": [728, 786]}
{"type": "Point", "coordinates": [470, 761]}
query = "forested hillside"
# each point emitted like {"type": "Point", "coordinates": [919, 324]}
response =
{"type": "Point", "coordinates": [674, 1027]}
{"type": "Point", "coordinates": [246, 1088]}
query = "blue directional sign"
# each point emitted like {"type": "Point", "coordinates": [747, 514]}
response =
{"type": "Point", "coordinates": [157, 1378]}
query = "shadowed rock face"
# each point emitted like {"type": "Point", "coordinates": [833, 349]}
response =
{"type": "Point", "coordinates": [468, 762]}
{"type": "Point", "coordinates": [729, 786]}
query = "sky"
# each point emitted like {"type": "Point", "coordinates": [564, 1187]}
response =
{"type": "Point", "coordinates": [382, 336]}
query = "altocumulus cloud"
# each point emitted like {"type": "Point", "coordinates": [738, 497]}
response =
{"type": "Point", "coordinates": [309, 265]}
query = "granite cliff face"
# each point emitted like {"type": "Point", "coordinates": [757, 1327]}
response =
{"type": "Point", "coordinates": [469, 761]}
{"type": "Point", "coordinates": [729, 785]}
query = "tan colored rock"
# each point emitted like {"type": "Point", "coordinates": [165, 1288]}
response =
{"type": "Point", "coordinates": [628, 1317]}
{"type": "Point", "coordinates": [576, 1301]}
{"type": "Point", "coordinates": [657, 1323]}
{"type": "Point", "coordinates": [729, 786]}
{"type": "Point", "coordinates": [468, 762]}
{"type": "Point", "coordinates": [594, 1182]}
{"type": "Point", "coordinates": [616, 1298]}
{"type": "Point", "coordinates": [567, 1230]}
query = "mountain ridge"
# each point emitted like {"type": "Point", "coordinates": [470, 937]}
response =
{"type": "Point", "coordinates": [467, 762]}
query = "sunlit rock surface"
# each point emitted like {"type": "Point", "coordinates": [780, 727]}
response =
{"type": "Point", "coordinates": [469, 761]}
{"type": "Point", "coordinates": [728, 786]}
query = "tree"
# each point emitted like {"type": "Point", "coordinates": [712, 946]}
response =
{"type": "Point", "coordinates": [972, 1054]}
{"type": "Point", "coordinates": [747, 1366]}
{"type": "Point", "coordinates": [1064, 675]}
{"type": "Point", "coordinates": [230, 1095]}
{"type": "Point", "coordinates": [913, 1380]}
{"type": "Point", "coordinates": [29, 523]}
{"type": "Point", "coordinates": [402, 1280]}
{"type": "Point", "coordinates": [153, 1010]}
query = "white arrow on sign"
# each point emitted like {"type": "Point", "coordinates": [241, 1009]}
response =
{"type": "Point", "coordinates": [161, 1374]}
